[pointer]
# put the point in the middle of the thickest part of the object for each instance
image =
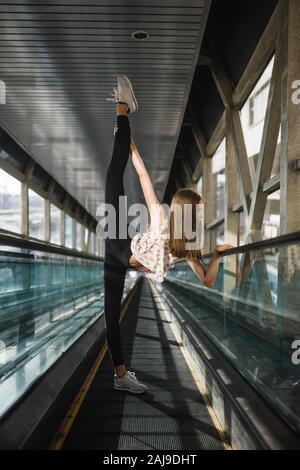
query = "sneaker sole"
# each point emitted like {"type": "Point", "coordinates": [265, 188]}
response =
{"type": "Point", "coordinates": [127, 390]}
{"type": "Point", "coordinates": [128, 83]}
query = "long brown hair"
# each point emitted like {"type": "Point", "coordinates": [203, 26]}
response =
{"type": "Point", "coordinates": [177, 219]}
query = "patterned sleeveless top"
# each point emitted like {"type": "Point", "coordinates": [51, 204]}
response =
{"type": "Point", "coordinates": [152, 250]}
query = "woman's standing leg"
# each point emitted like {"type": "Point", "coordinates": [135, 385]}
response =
{"type": "Point", "coordinates": [117, 253]}
{"type": "Point", "coordinates": [113, 290]}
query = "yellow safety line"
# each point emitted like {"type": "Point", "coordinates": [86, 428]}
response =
{"type": "Point", "coordinates": [69, 419]}
{"type": "Point", "coordinates": [222, 434]}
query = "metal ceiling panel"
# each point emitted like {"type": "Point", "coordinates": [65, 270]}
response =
{"type": "Point", "coordinates": [59, 60]}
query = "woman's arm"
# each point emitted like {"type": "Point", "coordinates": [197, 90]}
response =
{"type": "Point", "coordinates": [155, 209]}
{"type": "Point", "coordinates": [209, 276]}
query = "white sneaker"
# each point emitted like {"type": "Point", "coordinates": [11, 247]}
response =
{"type": "Point", "coordinates": [129, 383]}
{"type": "Point", "coordinates": [124, 93]}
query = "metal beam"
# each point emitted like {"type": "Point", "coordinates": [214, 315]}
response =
{"type": "Point", "coordinates": [204, 57]}
{"type": "Point", "coordinates": [233, 125]}
{"type": "Point", "coordinates": [259, 59]}
{"type": "Point", "coordinates": [185, 161]}
{"type": "Point", "coordinates": [272, 185]}
{"type": "Point", "coordinates": [231, 220]}
{"type": "Point", "coordinates": [215, 223]}
{"type": "Point", "coordinates": [198, 171]}
{"type": "Point", "coordinates": [29, 170]}
{"type": "Point", "coordinates": [240, 151]}
{"type": "Point", "coordinates": [216, 137]}
{"type": "Point", "coordinates": [197, 131]}
{"type": "Point", "coordinates": [220, 77]}
{"type": "Point", "coordinates": [231, 227]}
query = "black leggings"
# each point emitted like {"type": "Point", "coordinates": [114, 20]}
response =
{"type": "Point", "coordinates": [117, 251]}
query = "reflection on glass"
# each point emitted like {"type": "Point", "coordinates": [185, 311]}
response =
{"type": "Point", "coordinates": [10, 203]}
{"type": "Point", "coordinates": [36, 215]}
{"type": "Point", "coordinates": [47, 303]}
{"type": "Point", "coordinates": [252, 315]}
{"type": "Point", "coordinates": [55, 221]}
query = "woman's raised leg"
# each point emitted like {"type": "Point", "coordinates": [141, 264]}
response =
{"type": "Point", "coordinates": [114, 186]}
{"type": "Point", "coordinates": [114, 272]}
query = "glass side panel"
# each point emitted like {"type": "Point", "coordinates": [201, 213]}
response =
{"type": "Point", "coordinates": [10, 203]}
{"type": "Point", "coordinates": [46, 303]}
{"type": "Point", "coordinates": [252, 314]}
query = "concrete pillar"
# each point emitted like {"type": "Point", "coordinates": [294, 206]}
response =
{"type": "Point", "coordinates": [231, 227]}
{"type": "Point", "coordinates": [288, 265]}
{"type": "Point", "coordinates": [290, 120]}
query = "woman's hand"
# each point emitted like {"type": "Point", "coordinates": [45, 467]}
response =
{"type": "Point", "coordinates": [221, 248]}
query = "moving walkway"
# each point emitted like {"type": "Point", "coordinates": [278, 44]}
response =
{"type": "Point", "coordinates": [218, 362]}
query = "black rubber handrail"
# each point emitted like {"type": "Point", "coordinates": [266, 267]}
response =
{"type": "Point", "coordinates": [9, 240]}
{"type": "Point", "coordinates": [18, 242]}
{"type": "Point", "coordinates": [269, 243]}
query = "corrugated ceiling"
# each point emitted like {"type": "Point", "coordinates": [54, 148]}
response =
{"type": "Point", "coordinates": [59, 60]}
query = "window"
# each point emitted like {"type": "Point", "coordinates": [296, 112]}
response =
{"type": "Point", "coordinates": [55, 215]}
{"type": "Point", "coordinates": [36, 215]}
{"type": "Point", "coordinates": [68, 231]}
{"type": "Point", "coordinates": [218, 235]}
{"type": "Point", "coordinates": [258, 104]}
{"type": "Point", "coordinates": [10, 203]}
{"type": "Point", "coordinates": [253, 116]}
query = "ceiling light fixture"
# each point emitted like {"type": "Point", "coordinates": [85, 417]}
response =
{"type": "Point", "coordinates": [140, 35]}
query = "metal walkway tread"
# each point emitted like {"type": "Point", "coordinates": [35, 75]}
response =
{"type": "Point", "coordinates": [170, 416]}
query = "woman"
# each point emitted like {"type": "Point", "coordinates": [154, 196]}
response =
{"type": "Point", "coordinates": [152, 252]}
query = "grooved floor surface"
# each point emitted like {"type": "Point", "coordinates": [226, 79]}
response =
{"type": "Point", "coordinates": [170, 416]}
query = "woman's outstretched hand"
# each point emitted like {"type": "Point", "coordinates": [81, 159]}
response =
{"type": "Point", "coordinates": [221, 248]}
